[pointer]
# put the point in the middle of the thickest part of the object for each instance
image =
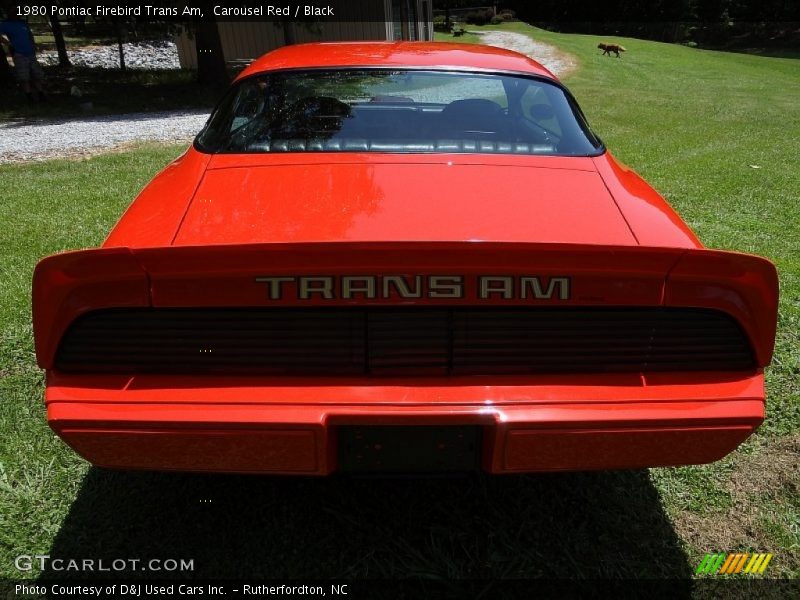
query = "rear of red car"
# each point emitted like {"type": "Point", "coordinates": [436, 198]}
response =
{"type": "Point", "coordinates": [522, 357]}
{"type": "Point", "coordinates": [402, 279]}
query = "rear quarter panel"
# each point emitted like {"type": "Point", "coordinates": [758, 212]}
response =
{"type": "Point", "coordinates": [651, 219]}
{"type": "Point", "coordinates": [155, 215]}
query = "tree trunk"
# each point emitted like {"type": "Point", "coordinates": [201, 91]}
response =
{"type": "Point", "coordinates": [210, 59]}
{"type": "Point", "coordinates": [120, 36]}
{"type": "Point", "coordinates": [289, 33]}
{"type": "Point", "coordinates": [61, 46]}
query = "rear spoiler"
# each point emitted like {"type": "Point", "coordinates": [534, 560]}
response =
{"type": "Point", "coordinates": [68, 285]}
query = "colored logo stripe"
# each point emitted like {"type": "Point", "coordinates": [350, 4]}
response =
{"type": "Point", "coordinates": [710, 563]}
{"type": "Point", "coordinates": [717, 563]}
{"type": "Point", "coordinates": [734, 563]}
{"type": "Point", "coordinates": [727, 564]}
{"type": "Point", "coordinates": [767, 558]}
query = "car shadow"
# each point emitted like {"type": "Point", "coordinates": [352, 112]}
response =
{"type": "Point", "coordinates": [584, 525]}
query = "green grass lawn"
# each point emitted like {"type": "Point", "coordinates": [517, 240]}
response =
{"type": "Point", "coordinates": [694, 123]}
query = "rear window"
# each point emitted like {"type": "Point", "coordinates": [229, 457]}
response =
{"type": "Point", "coordinates": [381, 110]}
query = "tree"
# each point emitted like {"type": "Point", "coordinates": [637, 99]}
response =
{"type": "Point", "coordinates": [119, 30]}
{"type": "Point", "coordinates": [289, 27]}
{"type": "Point", "coordinates": [211, 69]}
{"type": "Point", "coordinates": [289, 34]}
{"type": "Point", "coordinates": [456, 4]}
{"type": "Point", "coordinates": [58, 36]}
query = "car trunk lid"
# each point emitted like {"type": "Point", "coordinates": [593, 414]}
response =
{"type": "Point", "coordinates": [291, 199]}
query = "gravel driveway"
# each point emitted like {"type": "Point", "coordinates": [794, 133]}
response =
{"type": "Point", "coordinates": [558, 62]}
{"type": "Point", "coordinates": [88, 135]}
{"type": "Point", "coordinates": [42, 140]}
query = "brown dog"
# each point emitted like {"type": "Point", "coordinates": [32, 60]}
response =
{"type": "Point", "coordinates": [609, 48]}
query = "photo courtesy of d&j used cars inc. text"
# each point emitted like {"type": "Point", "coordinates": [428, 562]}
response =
{"type": "Point", "coordinates": [414, 299]}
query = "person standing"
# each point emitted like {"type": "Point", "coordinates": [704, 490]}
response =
{"type": "Point", "coordinates": [27, 69]}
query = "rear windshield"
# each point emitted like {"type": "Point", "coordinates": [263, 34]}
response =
{"type": "Point", "coordinates": [381, 110]}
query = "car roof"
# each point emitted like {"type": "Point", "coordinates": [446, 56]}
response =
{"type": "Point", "coordinates": [395, 54]}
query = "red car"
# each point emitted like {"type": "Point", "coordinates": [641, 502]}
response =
{"type": "Point", "coordinates": [401, 257]}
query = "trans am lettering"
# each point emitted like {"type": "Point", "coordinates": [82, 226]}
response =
{"type": "Point", "coordinates": [372, 287]}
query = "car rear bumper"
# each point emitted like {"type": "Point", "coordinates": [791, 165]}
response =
{"type": "Point", "coordinates": [290, 427]}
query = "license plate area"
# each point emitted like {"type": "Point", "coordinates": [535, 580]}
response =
{"type": "Point", "coordinates": [408, 449]}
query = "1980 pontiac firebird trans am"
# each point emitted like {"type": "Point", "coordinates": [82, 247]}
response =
{"type": "Point", "coordinates": [401, 256]}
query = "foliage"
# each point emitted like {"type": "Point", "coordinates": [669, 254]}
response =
{"type": "Point", "coordinates": [710, 23]}
{"type": "Point", "coordinates": [440, 24]}
{"type": "Point", "coordinates": [479, 17]}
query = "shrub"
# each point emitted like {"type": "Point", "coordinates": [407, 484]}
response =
{"type": "Point", "coordinates": [440, 24]}
{"type": "Point", "coordinates": [479, 17]}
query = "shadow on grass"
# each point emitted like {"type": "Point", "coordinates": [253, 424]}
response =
{"type": "Point", "coordinates": [560, 525]}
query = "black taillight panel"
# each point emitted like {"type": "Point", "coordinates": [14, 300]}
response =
{"type": "Point", "coordinates": [394, 341]}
